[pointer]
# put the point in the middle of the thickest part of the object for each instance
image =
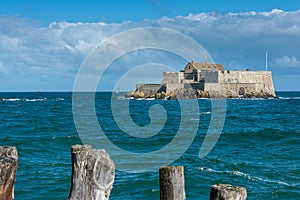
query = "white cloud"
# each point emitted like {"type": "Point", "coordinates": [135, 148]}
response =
{"type": "Point", "coordinates": [2, 68]}
{"type": "Point", "coordinates": [289, 62]}
{"type": "Point", "coordinates": [233, 39]}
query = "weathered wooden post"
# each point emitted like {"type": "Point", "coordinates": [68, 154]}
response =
{"type": "Point", "coordinates": [172, 183]}
{"type": "Point", "coordinates": [8, 170]}
{"type": "Point", "coordinates": [227, 192]}
{"type": "Point", "coordinates": [93, 173]}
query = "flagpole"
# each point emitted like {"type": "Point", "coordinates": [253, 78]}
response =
{"type": "Point", "coordinates": [267, 60]}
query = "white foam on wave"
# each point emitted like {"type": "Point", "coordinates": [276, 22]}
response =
{"type": "Point", "coordinates": [154, 190]}
{"type": "Point", "coordinates": [15, 99]}
{"type": "Point", "coordinates": [150, 99]}
{"type": "Point", "coordinates": [284, 97]}
{"type": "Point", "coordinates": [256, 99]}
{"type": "Point", "coordinates": [287, 98]}
{"type": "Point", "coordinates": [28, 100]}
{"type": "Point", "coordinates": [248, 176]}
{"type": "Point", "coordinates": [146, 99]}
{"type": "Point", "coordinates": [33, 100]}
{"type": "Point", "coordinates": [127, 98]}
{"type": "Point", "coordinates": [59, 99]}
{"type": "Point", "coordinates": [204, 113]}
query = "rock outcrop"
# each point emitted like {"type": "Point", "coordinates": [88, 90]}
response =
{"type": "Point", "coordinates": [184, 93]}
{"type": "Point", "coordinates": [202, 94]}
{"type": "Point", "coordinates": [138, 94]}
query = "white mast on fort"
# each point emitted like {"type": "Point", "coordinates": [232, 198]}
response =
{"type": "Point", "coordinates": [267, 60]}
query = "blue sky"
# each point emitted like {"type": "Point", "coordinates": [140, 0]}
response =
{"type": "Point", "coordinates": [110, 11]}
{"type": "Point", "coordinates": [43, 43]}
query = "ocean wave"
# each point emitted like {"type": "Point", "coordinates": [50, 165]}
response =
{"type": "Point", "coordinates": [64, 137]}
{"type": "Point", "coordinates": [248, 176]}
{"type": "Point", "coordinates": [287, 98]}
{"type": "Point", "coordinates": [263, 133]}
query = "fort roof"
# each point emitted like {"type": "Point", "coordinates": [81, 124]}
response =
{"type": "Point", "coordinates": [203, 66]}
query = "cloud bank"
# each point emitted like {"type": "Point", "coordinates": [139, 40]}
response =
{"type": "Point", "coordinates": [33, 57]}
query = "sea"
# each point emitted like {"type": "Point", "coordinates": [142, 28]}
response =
{"type": "Point", "coordinates": [258, 146]}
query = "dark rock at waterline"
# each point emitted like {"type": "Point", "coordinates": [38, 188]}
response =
{"type": "Point", "coordinates": [138, 94]}
{"type": "Point", "coordinates": [263, 95]}
{"type": "Point", "coordinates": [188, 93]}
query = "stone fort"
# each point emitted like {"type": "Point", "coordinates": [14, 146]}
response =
{"type": "Point", "coordinates": [212, 80]}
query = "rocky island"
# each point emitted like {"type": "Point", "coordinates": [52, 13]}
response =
{"type": "Point", "coordinates": [207, 80]}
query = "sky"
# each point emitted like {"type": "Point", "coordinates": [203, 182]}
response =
{"type": "Point", "coordinates": [44, 43]}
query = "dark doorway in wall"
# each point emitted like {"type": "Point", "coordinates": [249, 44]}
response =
{"type": "Point", "coordinates": [241, 91]}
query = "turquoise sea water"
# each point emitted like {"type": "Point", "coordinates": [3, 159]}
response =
{"type": "Point", "coordinates": [259, 147]}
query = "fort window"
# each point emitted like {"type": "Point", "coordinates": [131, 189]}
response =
{"type": "Point", "coordinates": [228, 72]}
{"type": "Point", "coordinates": [195, 78]}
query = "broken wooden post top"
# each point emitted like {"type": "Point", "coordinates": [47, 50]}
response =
{"type": "Point", "coordinates": [93, 173]}
{"type": "Point", "coordinates": [227, 192]}
{"type": "Point", "coordinates": [9, 152]}
{"type": "Point", "coordinates": [77, 148]}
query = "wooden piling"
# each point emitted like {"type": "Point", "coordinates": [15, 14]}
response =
{"type": "Point", "coordinates": [227, 192]}
{"type": "Point", "coordinates": [8, 170]}
{"type": "Point", "coordinates": [93, 173]}
{"type": "Point", "coordinates": [172, 183]}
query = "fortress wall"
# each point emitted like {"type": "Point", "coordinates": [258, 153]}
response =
{"type": "Point", "coordinates": [149, 89]}
{"type": "Point", "coordinates": [212, 87]}
{"type": "Point", "coordinates": [171, 77]}
{"type": "Point", "coordinates": [235, 76]}
{"type": "Point", "coordinates": [266, 85]}
{"type": "Point", "coordinates": [251, 81]}
{"type": "Point", "coordinates": [173, 86]}
{"type": "Point", "coordinates": [216, 89]}
{"type": "Point", "coordinates": [230, 89]}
